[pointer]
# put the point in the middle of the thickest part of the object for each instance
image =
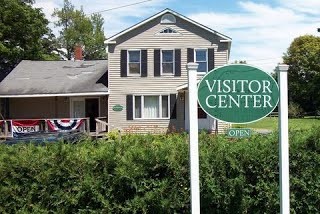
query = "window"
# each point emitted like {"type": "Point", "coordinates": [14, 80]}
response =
{"type": "Point", "coordinates": [134, 62]}
{"type": "Point", "coordinates": [167, 61]}
{"type": "Point", "coordinates": [201, 57]}
{"type": "Point", "coordinates": [168, 19]}
{"type": "Point", "coordinates": [168, 31]}
{"type": "Point", "coordinates": [151, 106]}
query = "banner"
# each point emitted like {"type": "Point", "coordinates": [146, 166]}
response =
{"type": "Point", "coordinates": [24, 126]}
{"type": "Point", "coordinates": [64, 125]}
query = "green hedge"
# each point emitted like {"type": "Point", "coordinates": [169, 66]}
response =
{"type": "Point", "coordinates": [150, 174]}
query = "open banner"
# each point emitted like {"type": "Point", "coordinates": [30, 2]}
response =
{"type": "Point", "coordinates": [24, 126]}
{"type": "Point", "coordinates": [64, 125]}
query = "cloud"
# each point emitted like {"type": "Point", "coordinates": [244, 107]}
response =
{"type": "Point", "coordinates": [261, 32]}
{"type": "Point", "coordinates": [114, 20]}
{"type": "Point", "coordinates": [306, 6]}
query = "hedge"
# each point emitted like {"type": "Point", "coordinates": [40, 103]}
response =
{"type": "Point", "coordinates": [150, 174]}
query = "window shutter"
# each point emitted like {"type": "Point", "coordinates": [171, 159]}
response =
{"type": "Point", "coordinates": [210, 59]}
{"type": "Point", "coordinates": [144, 63]}
{"type": "Point", "coordinates": [129, 107]}
{"type": "Point", "coordinates": [157, 62]}
{"type": "Point", "coordinates": [173, 106]}
{"type": "Point", "coordinates": [190, 55]}
{"type": "Point", "coordinates": [177, 65]}
{"type": "Point", "coordinates": [123, 63]}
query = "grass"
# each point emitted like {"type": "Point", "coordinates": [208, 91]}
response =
{"type": "Point", "coordinates": [271, 123]}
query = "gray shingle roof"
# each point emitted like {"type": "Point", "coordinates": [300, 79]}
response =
{"type": "Point", "coordinates": [56, 77]}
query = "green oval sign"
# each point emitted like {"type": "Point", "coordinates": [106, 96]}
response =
{"type": "Point", "coordinates": [238, 93]}
{"type": "Point", "coordinates": [117, 107]}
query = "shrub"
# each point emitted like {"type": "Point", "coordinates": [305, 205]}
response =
{"type": "Point", "coordinates": [150, 174]}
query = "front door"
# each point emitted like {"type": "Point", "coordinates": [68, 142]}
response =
{"type": "Point", "coordinates": [82, 107]}
{"type": "Point", "coordinates": [204, 121]}
{"type": "Point", "coordinates": [92, 111]}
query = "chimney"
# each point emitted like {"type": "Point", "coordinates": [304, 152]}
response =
{"type": "Point", "coordinates": [78, 53]}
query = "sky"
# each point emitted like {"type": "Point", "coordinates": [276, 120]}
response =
{"type": "Point", "coordinates": [261, 30]}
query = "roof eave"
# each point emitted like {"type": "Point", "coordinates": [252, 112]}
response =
{"type": "Point", "coordinates": [55, 95]}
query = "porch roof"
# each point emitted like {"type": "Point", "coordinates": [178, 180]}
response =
{"type": "Point", "coordinates": [56, 78]}
{"type": "Point", "coordinates": [184, 87]}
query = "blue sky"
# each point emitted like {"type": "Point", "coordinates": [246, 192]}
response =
{"type": "Point", "coordinates": [261, 30]}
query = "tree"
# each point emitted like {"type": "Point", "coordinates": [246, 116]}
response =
{"type": "Point", "coordinates": [22, 30]}
{"type": "Point", "coordinates": [240, 62]}
{"type": "Point", "coordinates": [303, 56]}
{"type": "Point", "coordinates": [79, 29]}
{"type": "Point", "coordinates": [96, 48]}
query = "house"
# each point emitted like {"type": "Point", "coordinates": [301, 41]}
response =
{"type": "Point", "coordinates": [148, 75]}
{"type": "Point", "coordinates": [56, 89]}
{"type": "Point", "coordinates": [140, 88]}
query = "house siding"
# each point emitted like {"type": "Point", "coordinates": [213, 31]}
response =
{"type": "Point", "coordinates": [146, 37]}
{"type": "Point", "coordinates": [47, 107]}
{"type": "Point", "coordinates": [38, 108]}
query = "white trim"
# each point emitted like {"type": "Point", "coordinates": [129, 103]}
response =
{"type": "Point", "coordinates": [184, 86]}
{"type": "Point", "coordinates": [142, 106]}
{"type": "Point", "coordinates": [173, 63]}
{"type": "Point", "coordinates": [55, 95]}
{"type": "Point", "coordinates": [225, 40]}
{"type": "Point", "coordinates": [195, 60]}
{"type": "Point", "coordinates": [110, 40]}
{"type": "Point", "coordinates": [140, 62]}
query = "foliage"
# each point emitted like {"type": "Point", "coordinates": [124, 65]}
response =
{"type": "Point", "coordinates": [271, 123]}
{"type": "Point", "coordinates": [150, 174]}
{"type": "Point", "coordinates": [294, 110]}
{"type": "Point", "coordinates": [79, 29]}
{"type": "Point", "coordinates": [240, 62]}
{"type": "Point", "coordinates": [22, 29]}
{"type": "Point", "coordinates": [303, 56]}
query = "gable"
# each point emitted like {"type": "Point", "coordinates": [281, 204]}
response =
{"type": "Point", "coordinates": [165, 17]}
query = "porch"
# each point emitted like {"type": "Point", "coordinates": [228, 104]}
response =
{"type": "Point", "coordinates": [15, 127]}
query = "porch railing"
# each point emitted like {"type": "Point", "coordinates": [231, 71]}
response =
{"type": "Point", "coordinates": [101, 126]}
{"type": "Point", "coordinates": [6, 126]}
{"type": "Point", "coordinates": [5, 129]}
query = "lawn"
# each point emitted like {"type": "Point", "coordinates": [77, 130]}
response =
{"type": "Point", "coordinates": [271, 123]}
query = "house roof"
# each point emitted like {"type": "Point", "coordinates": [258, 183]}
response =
{"type": "Point", "coordinates": [56, 78]}
{"type": "Point", "coordinates": [112, 38]}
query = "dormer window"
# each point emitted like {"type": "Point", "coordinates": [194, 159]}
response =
{"type": "Point", "coordinates": [168, 30]}
{"type": "Point", "coordinates": [168, 19]}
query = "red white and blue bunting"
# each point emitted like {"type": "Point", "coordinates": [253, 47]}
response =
{"type": "Point", "coordinates": [24, 126]}
{"type": "Point", "coordinates": [64, 125]}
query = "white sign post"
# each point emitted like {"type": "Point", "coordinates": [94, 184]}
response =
{"type": "Point", "coordinates": [284, 139]}
{"type": "Point", "coordinates": [193, 137]}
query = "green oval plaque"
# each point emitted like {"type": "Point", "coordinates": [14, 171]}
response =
{"type": "Point", "coordinates": [238, 93]}
{"type": "Point", "coordinates": [117, 107]}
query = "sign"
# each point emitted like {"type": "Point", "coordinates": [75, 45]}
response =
{"type": "Point", "coordinates": [117, 107]}
{"type": "Point", "coordinates": [64, 125]}
{"type": "Point", "coordinates": [24, 126]}
{"type": "Point", "coordinates": [238, 93]}
{"type": "Point", "coordinates": [237, 133]}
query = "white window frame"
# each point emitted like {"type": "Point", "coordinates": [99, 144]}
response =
{"type": "Point", "coordinates": [173, 63]}
{"type": "Point", "coordinates": [142, 106]}
{"type": "Point", "coordinates": [195, 57]}
{"type": "Point", "coordinates": [128, 67]}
